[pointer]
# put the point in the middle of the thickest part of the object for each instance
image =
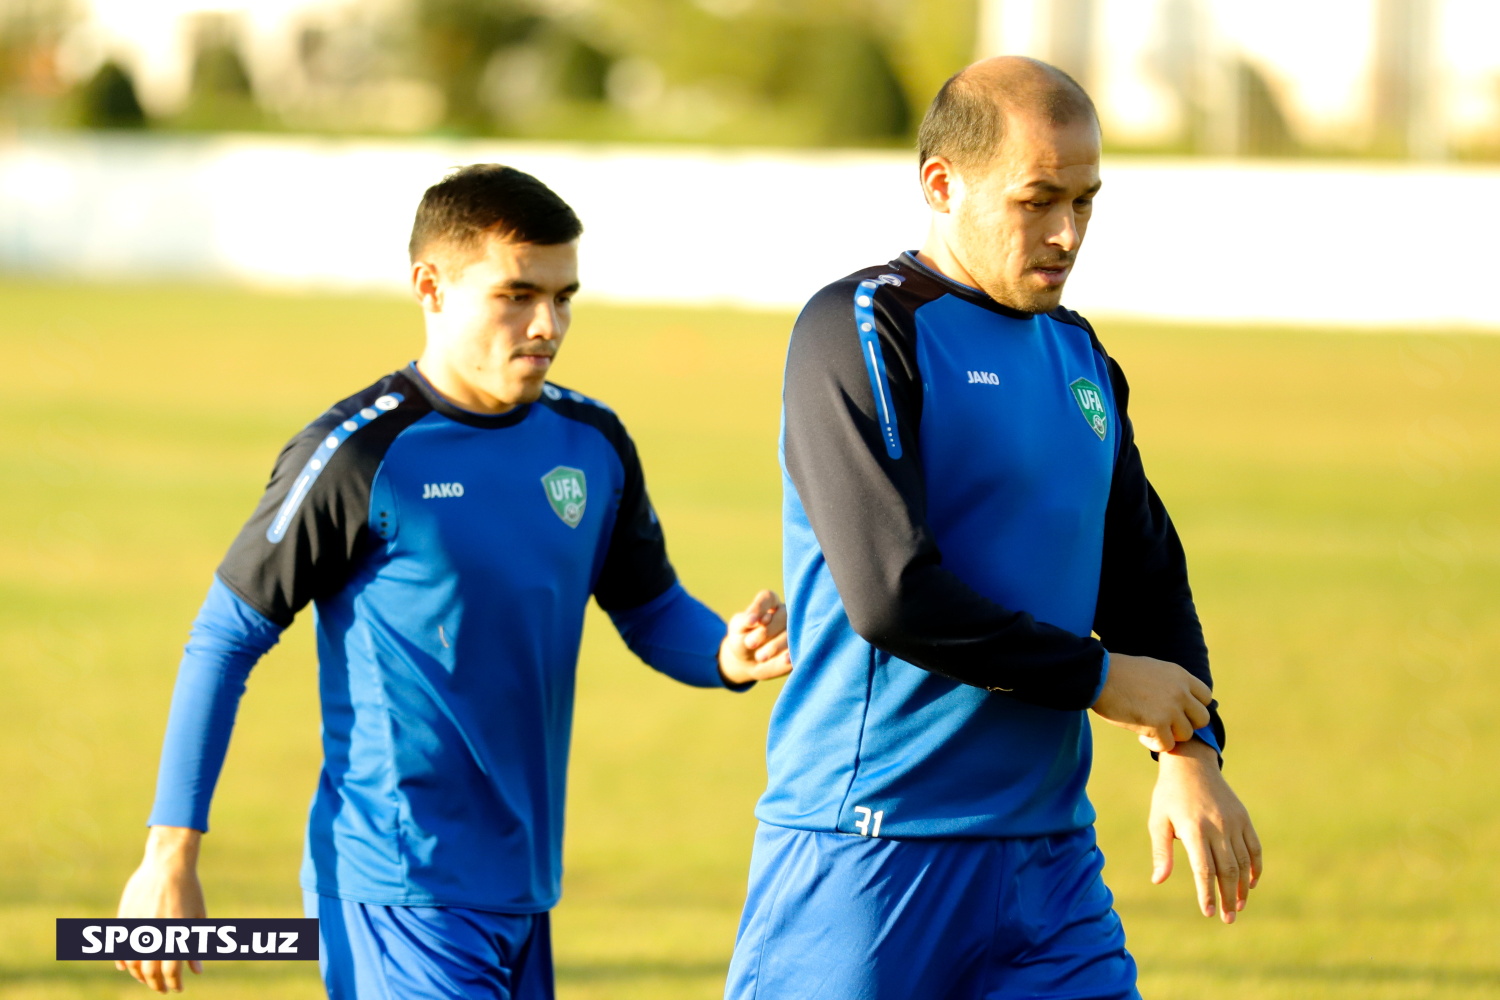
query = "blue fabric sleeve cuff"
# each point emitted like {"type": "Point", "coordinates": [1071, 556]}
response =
{"type": "Point", "coordinates": [1103, 678]}
{"type": "Point", "coordinates": [677, 635]}
{"type": "Point", "coordinates": [227, 639]}
{"type": "Point", "coordinates": [1207, 736]}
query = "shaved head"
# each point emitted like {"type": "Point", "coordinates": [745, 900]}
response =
{"type": "Point", "coordinates": [1010, 167]}
{"type": "Point", "coordinates": [966, 123]}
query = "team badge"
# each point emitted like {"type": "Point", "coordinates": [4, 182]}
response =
{"type": "Point", "coordinates": [567, 492]}
{"type": "Point", "coordinates": [1091, 402]}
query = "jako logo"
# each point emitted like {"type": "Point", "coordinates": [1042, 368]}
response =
{"type": "Point", "coordinates": [434, 491]}
{"type": "Point", "coordinates": [986, 378]}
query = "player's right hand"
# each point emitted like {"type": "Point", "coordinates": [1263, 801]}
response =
{"type": "Point", "coordinates": [1158, 701]}
{"type": "Point", "coordinates": [165, 885]}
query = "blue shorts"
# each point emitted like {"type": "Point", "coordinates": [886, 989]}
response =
{"type": "Point", "coordinates": [832, 916]}
{"type": "Point", "coordinates": [370, 952]}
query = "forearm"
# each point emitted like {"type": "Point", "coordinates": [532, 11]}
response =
{"type": "Point", "coordinates": [676, 634]}
{"type": "Point", "coordinates": [939, 623]}
{"type": "Point", "coordinates": [173, 847]}
{"type": "Point", "coordinates": [227, 639]}
{"type": "Point", "coordinates": [1145, 605]}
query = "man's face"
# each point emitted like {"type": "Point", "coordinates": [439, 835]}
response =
{"type": "Point", "coordinates": [1019, 220]}
{"type": "Point", "coordinates": [499, 315]}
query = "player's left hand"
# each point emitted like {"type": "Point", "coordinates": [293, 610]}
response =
{"type": "Point", "coordinates": [755, 645]}
{"type": "Point", "coordinates": [1194, 804]}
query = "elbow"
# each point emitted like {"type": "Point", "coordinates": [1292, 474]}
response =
{"type": "Point", "coordinates": [882, 621]}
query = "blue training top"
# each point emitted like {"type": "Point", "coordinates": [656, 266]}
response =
{"type": "Point", "coordinates": [450, 556]}
{"type": "Point", "coordinates": [964, 504]}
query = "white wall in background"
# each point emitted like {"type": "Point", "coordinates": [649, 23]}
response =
{"type": "Point", "coordinates": [1344, 244]}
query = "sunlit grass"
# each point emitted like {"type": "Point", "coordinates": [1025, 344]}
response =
{"type": "Point", "coordinates": [1337, 494]}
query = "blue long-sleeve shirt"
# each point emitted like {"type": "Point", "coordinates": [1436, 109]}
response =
{"type": "Point", "coordinates": [449, 556]}
{"type": "Point", "coordinates": [964, 507]}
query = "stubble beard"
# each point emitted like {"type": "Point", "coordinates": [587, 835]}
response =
{"type": "Point", "coordinates": [1013, 294]}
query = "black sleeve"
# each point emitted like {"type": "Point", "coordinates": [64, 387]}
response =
{"type": "Point", "coordinates": [311, 525]}
{"type": "Point", "coordinates": [1145, 604]}
{"type": "Point", "coordinates": [636, 568]}
{"type": "Point", "coordinates": [868, 511]}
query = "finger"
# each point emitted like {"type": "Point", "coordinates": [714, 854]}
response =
{"type": "Point", "coordinates": [134, 968]}
{"type": "Point", "coordinates": [196, 965]}
{"type": "Point", "coordinates": [119, 965]}
{"type": "Point", "coordinates": [171, 973]}
{"type": "Point", "coordinates": [777, 621]}
{"type": "Point", "coordinates": [765, 604]}
{"type": "Point", "coordinates": [1201, 858]}
{"type": "Point", "coordinates": [772, 649]}
{"type": "Point", "coordinates": [1182, 729]}
{"type": "Point", "coordinates": [151, 971]}
{"type": "Point", "coordinates": [739, 623]}
{"type": "Point", "coordinates": [1200, 690]}
{"type": "Point", "coordinates": [754, 637]}
{"type": "Point", "coordinates": [1198, 715]}
{"type": "Point", "coordinates": [778, 667]}
{"type": "Point", "coordinates": [1226, 876]}
{"type": "Point", "coordinates": [1242, 859]}
{"type": "Point", "coordinates": [1161, 850]}
{"type": "Point", "coordinates": [1257, 862]}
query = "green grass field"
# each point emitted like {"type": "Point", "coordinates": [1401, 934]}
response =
{"type": "Point", "coordinates": [1339, 495]}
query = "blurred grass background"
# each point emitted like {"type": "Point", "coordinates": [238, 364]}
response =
{"type": "Point", "coordinates": [1336, 492]}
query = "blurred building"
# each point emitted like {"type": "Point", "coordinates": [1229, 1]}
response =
{"type": "Point", "coordinates": [1392, 78]}
{"type": "Point", "coordinates": [837, 72]}
{"type": "Point", "coordinates": [305, 63]}
{"type": "Point", "coordinates": [1418, 78]}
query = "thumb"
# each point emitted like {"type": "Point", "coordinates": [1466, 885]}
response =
{"type": "Point", "coordinates": [1156, 744]}
{"type": "Point", "coordinates": [1161, 851]}
{"type": "Point", "coordinates": [765, 602]}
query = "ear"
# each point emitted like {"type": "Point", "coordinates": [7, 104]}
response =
{"type": "Point", "coordinates": [940, 183]}
{"type": "Point", "coordinates": [426, 286]}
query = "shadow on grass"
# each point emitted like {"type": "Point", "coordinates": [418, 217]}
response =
{"type": "Point", "coordinates": [101, 972]}
{"type": "Point", "coordinates": [1343, 972]}
{"type": "Point", "coordinates": [624, 971]}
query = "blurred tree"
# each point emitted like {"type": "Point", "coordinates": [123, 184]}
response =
{"type": "Point", "coordinates": [108, 100]}
{"type": "Point", "coordinates": [1264, 127]}
{"type": "Point", "coordinates": [31, 91]}
{"type": "Point", "coordinates": [931, 40]}
{"type": "Point", "coordinates": [221, 95]}
{"type": "Point", "coordinates": [837, 72]}
{"type": "Point", "coordinates": [842, 74]}
{"type": "Point", "coordinates": [220, 71]}
{"type": "Point", "coordinates": [583, 70]}
{"type": "Point", "coordinates": [456, 40]}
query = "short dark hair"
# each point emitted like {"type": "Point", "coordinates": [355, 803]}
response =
{"type": "Point", "coordinates": [966, 121]}
{"type": "Point", "coordinates": [490, 198]}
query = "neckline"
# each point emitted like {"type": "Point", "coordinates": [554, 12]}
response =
{"type": "Point", "coordinates": [453, 411]}
{"type": "Point", "coordinates": [967, 292]}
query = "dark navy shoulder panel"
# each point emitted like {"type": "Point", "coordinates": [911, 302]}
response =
{"type": "Point", "coordinates": [310, 525]}
{"type": "Point", "coordinates": [573, 405]}
{"type": "Point", "coordinates": [867, 319]}
{"type": "Point", "coordinates": [636, 569]}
